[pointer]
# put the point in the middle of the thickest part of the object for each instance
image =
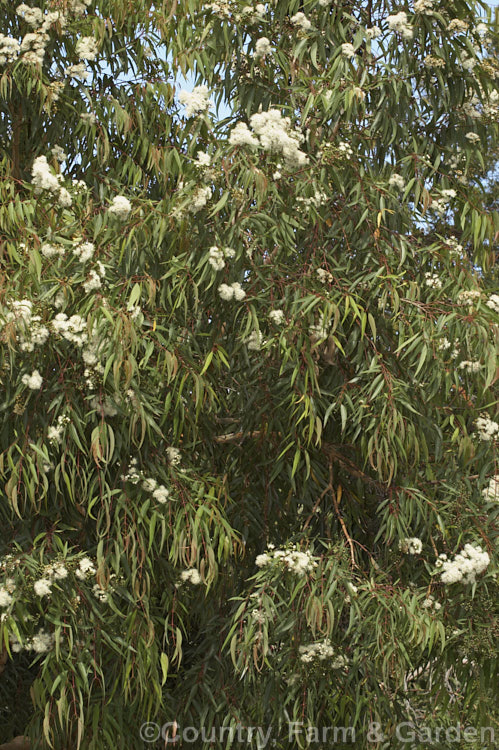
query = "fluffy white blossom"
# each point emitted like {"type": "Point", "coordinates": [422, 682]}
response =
{"type": "Point", "coordinates": [486, 427]}
{"type": "Point", "coordinates": [262, 47]}
{"type": "Point", "coordinates": [192, 575]}
{"type": "Point", "coordinates": [216, 258]}
{"type": "Point", "coordinates": [86, 568]}
{"type": "Point", "coordinates": [468, 296]}
{"type": "Point", "coordinates": [73, 329]}
{"type": "Point", "coordinates": [320, 651]}
{"type": "Point", "coordinates": [347, 50]}
{"type": "Point", "coordinates": [43, 587]}
{"type": "Point", "coordinates": [234, 291]}
{"type": "Point", "coordinates": [345, 149]}
{"type": "Point", "coordinates": [9, 49]}
{"type": "Point", "coordinates": [42, 176]}
{"type": "Point", "coordinates": [32, 16]}
{"type": "Point", "coordinates": [301, 20]}
{"type": "Point", "coordinates": [120, 207]}
{"type": "Point", "coordinates": [470, 366]}
{"type": "Point", "coordinates": [491, 493]}
{"type": "Point", "coordinates": [203, 159]}
{"type": "Point", "coordinates": [33, 381]}
{"type": "Point", "coordinates": [373, 32]}
{"type": "Point", "coordinates": [493, 302]}
{"type": "Point", "coordinates": [87, 48]}
{"type": "Point", "coordinates": [55, 432]}
{"type": "Point", "coordinates": [424, 6]}
{"type": "Point", "coordinates": [41, 642]}
{"type": "Point", "coordinates": [411, 545]}
{"type": "Point", "coordinates": [174, 455]}
{"type": "Point", "coordinates": [195, 101]}
{"type": "Point", "coordinates": [254, 341]}
{"type": "Point", "coordinates": [291, 559]}
{"type": "Point", "coordinates": [324, 276]}
{"type": "Point", "coordinates": [398, 22]}
{"type": "Point", "coordinates": [77, 71]}
{"type": "Point", "coordinates": [241, 135]}
{"type": "Point", "coordinates": [276, 317]}
{"type": "Point", "coordinates": [465, 566]}
{"type": "Point", "coordinates": [472, 137]}
{"type": "Point", "coordinates": [397, 181]}
{"type": "Point", "coordinates": [58, 153]}
{"type": "Point", "coordinates": [200, 198]}
{"type": "Point", "coordinates": [5, 597]}
{"type": "Point", "coordinates": [84, 251]}
{"type": "Point", "coordinates": [433, 280]}
{"type": "Point", "coordinates": [161, 494]}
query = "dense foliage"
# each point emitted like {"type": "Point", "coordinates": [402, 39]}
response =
{"type": "Point", "coordinates": [248, 362]}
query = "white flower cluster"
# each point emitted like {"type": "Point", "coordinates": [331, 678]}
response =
{"type": "Point", "coordinates": [55, 433]}
{"type": "Point", "coordinates": [493, 302]}
{"type": "Point", "coordinates": [133, 474]}
{"type": "Point", "coordinates": [83, 250]}
{"type": "Point", "coordinates": [468, 297]}
{"type": "Point", "coordinates": [86, 568]}
{"type": "Point", "coordinates": [55, 572]}
{"type": "Point", "coordinates": [472, 137]}
{"type": "Point", "coordinates": [191, 575]}
{"type": "Point", "coordinates": [486, 427]}
{"type": "Point", "coordinates": [292, 559]}
{"type": "Point", "coordinates": [9, 49]}
{"type": "Point", "coordinates": [345, 149]}
{"type": "Point", "coordinates": [319, 198]}
{"type": "Point", "coordinates": [6, 594]}
{"type": "Point", "coordinates": [431, 603]}
{"type": "Point", "coordinates": [195, 101]}
{"type": "Point", "coordinates": [316, 651]}
{"type": "Point", "coordinates": [273, 133]}
{"type": "Point", "coordinates": [373, 32]}
{"type": "Point", "coordinates": [433, 280]}
{"type": "Point", "coordinates": [203, 159]}
{"type": "Point", "coordinates": [33, 381]}
{"type": "Point", "coordinates": [77, 71]}
{"type": "Point", "coordinates": [262, 47]}
{"type": "Point", "coordinates": [276, 317]}
{"type": "Point", "coordinates": [233, 291]}
{"type": "Point", "coordinates": [397, 181]}
{"type": "Point", "coordinates": [325, 276]}
{"type": "Point", "coordinates": [425, 7]}
{"type": "Point", "coordinates": [411, 545]}
{"type": "Point", "coordinates": [199, 199]}
{"type": "Point", "coordinates": [457, 26]}
{"type": "Point", "coordinates": [51, 251]}
{"type": "Point", "coordinates": [491, 493]}
{"type": "Point", "coordinates": [72, 329]}
{"type": "Point", "coordinates": [217, 256]}
{"type": "Point", "coordinates": [87, 48]}
{"type": "Point", "coordinates": [174, 456]}
{"type": "Point", "coordinates": [347, 50]}
{"type": "Point", "coordinates": [254, 341]}
{"type": "Point", "coordinates": [470, 366]}
{"type": "Point", "coordinates": [465, 566]}
{"type": "Point", "coordinates": [32, 16]}
{"type": "Point", "coordinates": [120, 207]}
{"type": "Point", "coordinates": [40, 643]}
{"type": "Point", "coordinates": [158, 491]}
{"type": "Point", "coordinates": [439, 205]}
{"type": "Point", "coordinates": [258, 616]}
{"type": "Point", "coordinates": [43, 179]}
{"type": "Point", "coordinates": [398, 22]}
{"type": "Point", "coordinates": [94, 279]}
{"type": "Point", "coordinates": [301, 21]}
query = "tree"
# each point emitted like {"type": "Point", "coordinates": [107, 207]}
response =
{"type": "Point", "coordinates": [248, 366]}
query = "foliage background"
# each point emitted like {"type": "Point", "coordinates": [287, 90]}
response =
{"type": "Point", "coordinates": [348, 430]}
